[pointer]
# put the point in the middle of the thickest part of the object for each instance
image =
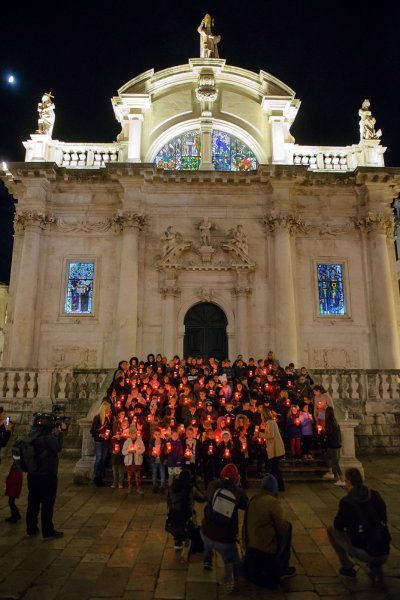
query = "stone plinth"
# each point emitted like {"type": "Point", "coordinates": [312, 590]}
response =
{"type": "Point", "coordinates": [348, 454]}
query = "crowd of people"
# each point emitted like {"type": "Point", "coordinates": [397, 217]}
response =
{"type": "Point", "coordinates": [161, 416]}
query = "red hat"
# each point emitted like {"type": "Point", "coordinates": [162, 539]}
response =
{"type": "Point", "coordinates": [230, 472]}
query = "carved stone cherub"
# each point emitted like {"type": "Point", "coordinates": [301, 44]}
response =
{"type": "Point", "coordinates": [46, 114]}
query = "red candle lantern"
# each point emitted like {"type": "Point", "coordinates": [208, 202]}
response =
{"type": "Point", "coordinates": [188, 453]}
{"type": "Point", "coordinates": [155, 452]}
{"type": "Point", "coordinates": [256, 430]}
{"type": "Point", "coordinates": [181, 428]}
{"type": "Point", "coordinates": [228, 420]}
{"type": "Point", "coordinates": [319, 429]}
{"type": "Point", "coordinates": [227, 453]}
{"type": "Point", "coordinates": [117, 448]}
{"type": "Point", "coordinates": [250, 373]}
{"type": "Point", "coordinates": [149, 418]}
{"type": "Point", "coordinates": [199, 404]}
{"type": "Point", "coordinates": [194, 421]}
{"type": "Point", "coordinates": [168, 447]}
{"type": "Point", "coordinates": [208, 418]}
{"type": "Point", "coordinates": [223, 401]}
{"type": "Point", "coordinates": [244, 446]}
{"type": "Point", "coordinates": [132, 448]}
{"type": "Point", "coordinates": [172, 422]}
{"type": "Point", "coordinates": [210, 449]}
{"type": "Point", "coordinates": [186, 401]}
{"type": "Point", "coordinates": [297, 422]}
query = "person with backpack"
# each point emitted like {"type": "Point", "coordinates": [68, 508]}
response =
{"type": "Point", "coordinates": [47, 442]}
{"type": "Point", "coordinates": [181, 518]}
{"type": "Point", "coordinates": [360, 529]}
{"type": "Point", "coordinates": [221, 521]}
{"type": "Point", "coordinates": [266, 538]}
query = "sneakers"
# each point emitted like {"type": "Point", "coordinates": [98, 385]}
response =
{"type": "Point", "coordinates": [178, 545]}
{"type": "Point", "coordinates": [186, 550]}
{"type": "Point", "coordinates": [53, 534]}
{"type": "Point", "coordinates": [289, 572]}
{"type": "Point", "coordinates": [139, 491]}
{"type": "Point", "coordinates": [340, 483]}
{"type": "Point", "coordinates": [120, 486]}
{"type": "Point", "coordinates": [328, 476]}
{"type": "Point", "coordinates": [113, 486]}
{"type": "Point", "coordinates": [348, 572]}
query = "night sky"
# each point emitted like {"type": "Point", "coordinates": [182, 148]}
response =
{"type": "Point", "coordinates": [332, 54]}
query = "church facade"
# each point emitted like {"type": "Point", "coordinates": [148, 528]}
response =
{"type": "Point", "coordinates": [204, 229]}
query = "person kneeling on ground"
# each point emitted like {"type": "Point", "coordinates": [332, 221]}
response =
{"type": "Point", "coordinates": [360, 528]}
{"type": "Point", "coordinates": [220, 524]}
{"type": "Point", "coordinates": [267, 536]}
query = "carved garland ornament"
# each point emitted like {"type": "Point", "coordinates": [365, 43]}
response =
{"type": "Point", "coordinates": [376, 222]}
{"type": "Point", "coordinates": [27, 218]}
{"type": "Point", "coordinates": [290, 223]}
{"type": "Point", "coordinates": [122, 220]}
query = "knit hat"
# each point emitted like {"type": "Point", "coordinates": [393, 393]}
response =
{"type": "Point", "coordinates": [269, 484]}
{"type": "Point", "coordinates": [230, 472]}
{"type": "Point", "coordinates": [132, 428]}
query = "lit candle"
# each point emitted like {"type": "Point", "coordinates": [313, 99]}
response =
{"type": "Point", "coordinates": [149, 418]}
{"type": "Point", "coordinates": [155, 452]}
{"type": "Point", "coordinates": [107, 433]}
{"type": "Point", "coordinates": [297, 422]}
{"type": "Point", "coordinates": [250, 373]}
{"type": "Point", "coordinates": [209, 418]}
{"type": "Point", "coordinates": [227, 453]}
{"type": "Point", "coordinates": [256, 429]}
{"type": "Point", "coordinates": [132, 448]}
{"type": "Point", "coordinates": [244, 446]}
{"type": "Point", "coordinates": [172, 422]}
{"type": "Point", "coordinates": [193, 421]}
{"type": "Point", "coordinates": [210, 449]}
{"type": "Point", "coordinates": [188, 453]}
{"type": "Point", "coordinates": [169, 447]}
{"type": "Point", "coordinates": [199, 404]}
{"type": "Point", "coordinates": [319, 429]}
{"type": "Point", "coordinates": [228, 420]}
{"type": "Point", "coordinates": [223, 401]}
{"type": "Point", "coordinates": [186, 401]}
{"type": "Point", "coordinates": [181, 428]}
{"type": "Point", "coordinates": [289, 383]}
{"type": "Point", "coordinates": [117, 448]}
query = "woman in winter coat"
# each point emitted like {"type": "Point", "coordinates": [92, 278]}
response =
{"type": "Point", "coordinates": [101, 432]}
{"type": "Point", "coordinates": [333, 442]}
{"type": "Point", "coordinates": [269, 431]}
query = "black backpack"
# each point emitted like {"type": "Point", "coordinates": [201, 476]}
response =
{"type": "Point", "coordinates": [371, 533]}
{"type": "Point", "coordinates": [222, 506]}
{"type": "Point", "coordinates": [24, 453]}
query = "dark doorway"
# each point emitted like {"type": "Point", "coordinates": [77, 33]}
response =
{"type": "Point", "coordinates": [205, 332]}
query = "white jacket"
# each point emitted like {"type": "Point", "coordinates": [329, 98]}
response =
{"type": "Point", "coordinates": [135, 457]}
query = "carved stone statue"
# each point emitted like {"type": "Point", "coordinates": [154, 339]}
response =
{"type": "Point", "coordinates": [205, 232]}
{"type": "Point", "coordinates": [208, 41]}
{"type": "Point", "coordinates": [46, 114]}
{"type": "Point", "coordinates": [170, 239]}
{"type": "Point", "coordinates": [239, 239]}
{"type": "Point", "coordinates": [367, 123]}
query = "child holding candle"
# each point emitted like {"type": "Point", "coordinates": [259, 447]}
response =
{"type": "Point", "coordinates": [174, 454]}
{"type": "Point", "coordinates": [209, 457]}
{"type": "Point", "coordinates": [133, 450]}
{"type": "Point", "coordinates": [117, 458]}
{"type": "Point", "coordinates": [307, 422]}
{"type": "Point", "coordinates": [224, 450]}
{"type": "Point", "coordinates": [156, 454]}
{"type": "Point", "coordinates": [293, 424]}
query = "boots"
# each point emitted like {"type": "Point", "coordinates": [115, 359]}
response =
{"type": "Point", "coordinates": [115, 476]}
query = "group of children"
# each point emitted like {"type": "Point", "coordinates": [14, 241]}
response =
{"type": "Point", "coordinates": [160, 417]}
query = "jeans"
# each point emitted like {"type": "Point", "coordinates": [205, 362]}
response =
{"type": "Point", "coordinates": [332, 458]}
{"type": "Point", "coordinates": [100, 457]}
{"type": "Point", "coordinates": [229, 553]}
{"type": "Point", "coordinates": [341, 544]}
{"type": "Point", "coordinates": [158, 472]}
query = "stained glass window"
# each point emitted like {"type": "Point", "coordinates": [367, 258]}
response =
{"type": "Point", "coordinates": [231, 154]}
{"type": "Point", "coordinates": [183, 153]}
{"type": "Point", "coordinates": [330, 289]}
{"type": "Point", "coordinates": [79, 298]}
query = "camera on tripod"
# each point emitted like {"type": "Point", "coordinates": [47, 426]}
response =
{"type": "Point", "coordinates": [52, 420]}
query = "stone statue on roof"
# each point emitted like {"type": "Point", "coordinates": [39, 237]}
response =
{"type": "Point", "coordinates": [367, 123]}
{"type": "Point", "coordinates": [208, 41]}
{"type": "Point", "coordinates": [46, 114]}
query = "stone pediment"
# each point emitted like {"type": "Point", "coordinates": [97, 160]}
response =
{"type": "Point", "coordinates": [217, 254]}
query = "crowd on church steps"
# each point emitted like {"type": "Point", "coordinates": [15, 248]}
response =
{"type": "Point", "coordinates": [201, 415]}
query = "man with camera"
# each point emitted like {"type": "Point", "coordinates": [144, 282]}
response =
{"type": "Point", "coordinates": [47, 436]}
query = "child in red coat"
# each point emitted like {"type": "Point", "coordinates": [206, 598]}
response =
{"type": "Point", "coordinates": [13, 491]}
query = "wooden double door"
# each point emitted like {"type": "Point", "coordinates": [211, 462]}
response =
{"type": "Point", "coordinates": [205, 332]}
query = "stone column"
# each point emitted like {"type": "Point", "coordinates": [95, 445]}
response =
{"type": "Point", "coordinates": [135, 137]}
{"type": "Point", "coordinates": [24, 311]}
{"type": "Point", "coordinates": [284, 316]}
{"type": "Point", "coordinates": [206, 163]}
{"type": "Point", "coordinates": [378, 228]}
{"type": "Point", "coordinates": [242, 292]}
{"type": "Point", "coordinates": [169, 292]}
{"type": "Point", "coordinates": [127, 316]}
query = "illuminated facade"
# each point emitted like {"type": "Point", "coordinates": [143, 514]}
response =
{"type": "Point", "coordinates": [204, 200]}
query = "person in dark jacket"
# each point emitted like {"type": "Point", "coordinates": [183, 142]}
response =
{"type": "Point", "coordinates": [333, 441]}
{"type": "Point", "coordinates": [181, 514]}
{"type": "Point", "coordinates": [346, 535]}
{"type": "Point", "coordinates": [221, 520]}
{"type": "Point", "coordinates": [42, 484]}
{"type": "Point", "coordinates": [101, 431]}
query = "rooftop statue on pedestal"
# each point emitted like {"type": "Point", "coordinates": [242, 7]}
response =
{"type": "Point", "coordinates": [367, 123]}
{"type": "Point", "coordinates": [46, 114]}
{"type": "Point", "coordinates": [208, 41]}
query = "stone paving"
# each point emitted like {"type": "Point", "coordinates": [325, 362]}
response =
{"type": "Point", "coordinates": [115, 547]}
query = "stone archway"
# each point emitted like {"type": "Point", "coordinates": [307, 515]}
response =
{"type": "Point", "coordinates": [205, 331]}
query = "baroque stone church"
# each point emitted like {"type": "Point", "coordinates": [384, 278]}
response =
{"type": "Point", "coordinates": [204, 229]}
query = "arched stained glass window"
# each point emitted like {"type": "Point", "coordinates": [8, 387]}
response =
{"type": "Point", "coordinates": [183, 153]}
{"type": "Point", "coordinates": [231, 154]}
